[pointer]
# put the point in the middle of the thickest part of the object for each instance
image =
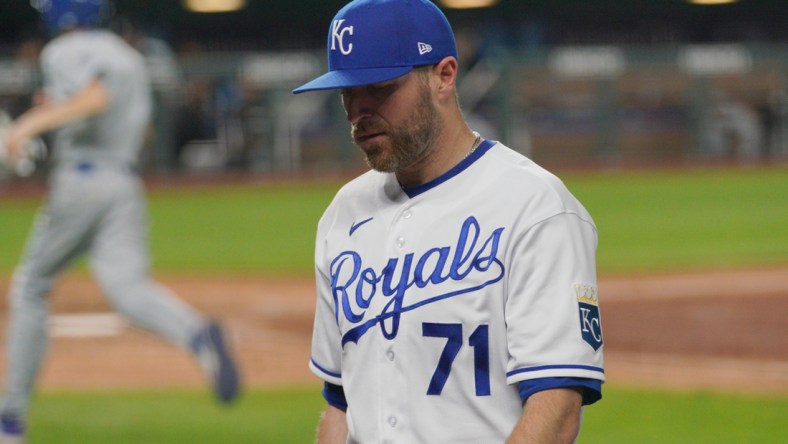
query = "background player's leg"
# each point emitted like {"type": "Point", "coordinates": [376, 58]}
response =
{"type": "Point", "coordinates": [58, 235]}
{"type": "Point", "coordinates": [120, 261]}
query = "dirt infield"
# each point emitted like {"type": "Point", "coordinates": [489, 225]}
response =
{"type": "Point", "coordinates": [717, 330]}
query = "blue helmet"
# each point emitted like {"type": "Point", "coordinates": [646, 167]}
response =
{"type": "Point", "coordinates": [61, 15]}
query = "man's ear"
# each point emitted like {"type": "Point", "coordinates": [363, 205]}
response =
{"type": "Point", "coordinates": [445, 73]}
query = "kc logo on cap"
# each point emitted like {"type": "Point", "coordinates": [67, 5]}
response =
{"type": "Point", "coordinates": [338, 37]}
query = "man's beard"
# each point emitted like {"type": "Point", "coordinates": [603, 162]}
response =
{"type": "Point", "coordinates": [408, 142]}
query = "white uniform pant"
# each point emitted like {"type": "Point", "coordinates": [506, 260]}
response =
{"type": "Point", "coordinates": [99, 211]}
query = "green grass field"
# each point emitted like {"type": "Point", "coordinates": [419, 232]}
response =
{"type": "Point", "coordinates": [289, 415]}
{"type": "Point", "coordinates": [648, 222]}
{"type": "Point", "coordinates": [684, 220]}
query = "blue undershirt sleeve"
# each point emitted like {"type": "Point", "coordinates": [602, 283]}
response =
{"type": "Point", "coordinates": [335, 396]}
{"type": "Point", "coordinates": [592, 388]}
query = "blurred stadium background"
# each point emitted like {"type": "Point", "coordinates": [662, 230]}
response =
{"type": "Point", "coordinates": [571, 83]}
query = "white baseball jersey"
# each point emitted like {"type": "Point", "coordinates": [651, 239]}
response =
{"type": "Point", "coordinates": [435, 302]}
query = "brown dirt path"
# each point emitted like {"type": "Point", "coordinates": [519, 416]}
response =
{"type": "Point", "coordinates": [717, 330]}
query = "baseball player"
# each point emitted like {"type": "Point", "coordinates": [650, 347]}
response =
{"type": "Point", "coordinates": [99, 104]}
{"type": "Point", "coordinates": [456, 280]}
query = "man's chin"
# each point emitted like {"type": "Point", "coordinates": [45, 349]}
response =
{"type": "Point", "coordinates": [380, 163]}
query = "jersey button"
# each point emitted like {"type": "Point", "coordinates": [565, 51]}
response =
{"type": "Point", "coordinates": [400, 242]}
{"type": "Point", "coordinates": [407, 214]}
{"type": "Point", "coordinates": [390, 355]}
{"type": "Point", "coordinates": [393, 421]}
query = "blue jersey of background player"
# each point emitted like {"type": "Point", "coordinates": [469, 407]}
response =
{"type": "Point", "coordinates": [98, 105]}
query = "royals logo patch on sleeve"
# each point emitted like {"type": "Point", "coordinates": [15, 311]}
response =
{"type": "Point", "coordinates": [590, 323]}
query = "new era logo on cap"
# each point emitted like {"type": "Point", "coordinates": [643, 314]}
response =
{"type": "Point", "coordinates": [424, 48]}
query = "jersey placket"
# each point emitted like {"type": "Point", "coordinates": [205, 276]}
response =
{"type": "Point", "coordinates": [392, 362]}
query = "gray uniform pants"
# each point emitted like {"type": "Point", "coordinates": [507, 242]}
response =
{"type": "Point", "coordinates": [99, 210]}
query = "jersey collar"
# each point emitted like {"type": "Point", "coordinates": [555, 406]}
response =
{"type": "Point", "coordinates": [455, 170]}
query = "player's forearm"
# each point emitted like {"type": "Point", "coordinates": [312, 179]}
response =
{"type": "Point", "coordinates": [90, 101]}
{"type": "Point", "coordinates": [550, 416]}
{"type": "Point", "coordinates": [333, 427]}
{"type": "Point", "coordinates": [27, 126]}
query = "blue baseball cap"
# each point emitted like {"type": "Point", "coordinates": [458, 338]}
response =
{"type": "Point", "coordinates": [371, 41]}
{"type": "Point", "coordinates": [60, 15]}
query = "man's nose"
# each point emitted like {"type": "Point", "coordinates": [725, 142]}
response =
{"type": "Point", "coordinates": [357, 106]}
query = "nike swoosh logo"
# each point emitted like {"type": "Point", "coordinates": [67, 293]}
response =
{"type": "Point", "coordinates": [356, 226]}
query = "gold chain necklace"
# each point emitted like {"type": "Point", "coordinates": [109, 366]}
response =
{"type": "Point", "coordinates": [476, 143]}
